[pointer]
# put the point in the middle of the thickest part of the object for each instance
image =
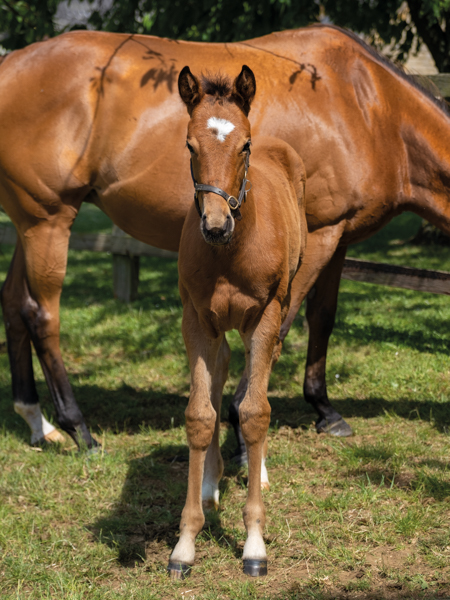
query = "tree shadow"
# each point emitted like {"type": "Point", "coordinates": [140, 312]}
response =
{"type": "Point", "coordinates": [149, 508]}
{"type": "Point", "coordinates": [127, 409]}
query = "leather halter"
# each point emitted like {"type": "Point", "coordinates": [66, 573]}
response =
{"type": "Point", "coordinates": [233, 203]}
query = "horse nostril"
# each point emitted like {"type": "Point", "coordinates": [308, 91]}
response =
{"type": "Point", "coordinates": [204, 217]}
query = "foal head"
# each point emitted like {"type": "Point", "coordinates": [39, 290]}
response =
{"type": "Point", "coordinates": [218, 140]}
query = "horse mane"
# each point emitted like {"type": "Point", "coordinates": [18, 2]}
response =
{"type": "Point", "coordinates": [218, 85]}
{"type": "Point", "coordinates": [440, 103]}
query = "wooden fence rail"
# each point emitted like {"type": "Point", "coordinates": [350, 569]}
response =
{"type": "Point", "coordinates": [126, 252]}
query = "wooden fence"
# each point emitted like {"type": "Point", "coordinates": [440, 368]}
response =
{"type": "Point", "coordinates": [126, 252]}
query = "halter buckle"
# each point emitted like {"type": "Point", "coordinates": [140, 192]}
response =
{"type": "Point", "coordinates": [233, 203]}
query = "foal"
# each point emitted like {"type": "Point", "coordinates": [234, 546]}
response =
{"type": "Point", "coordinates": [236, 264]}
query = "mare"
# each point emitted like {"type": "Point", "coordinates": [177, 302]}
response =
{"type": "Point", "coordinates": [236, 265]}
{"type": "Point", "coordinates": [91, 116]}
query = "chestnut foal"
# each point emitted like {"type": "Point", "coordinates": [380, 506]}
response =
{"type": "Point", "coordinates": [233, 274]}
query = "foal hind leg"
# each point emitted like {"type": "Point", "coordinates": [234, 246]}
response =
{"type": "Point", "coordinates": [213, 468]}
{"type": "Point", "coordinates": [321, 308]}
{"type": "Point", "coordinates": [14, 295]}
{"type": "Point", "coordinates": [45, 249]}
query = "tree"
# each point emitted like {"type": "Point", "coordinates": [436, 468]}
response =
{"type": "Point", "coordinates": [397, 21]}
{"type": "Point", "coordinates": [25, 22]}
{"type": "Point", "coordinates": [384, 21]}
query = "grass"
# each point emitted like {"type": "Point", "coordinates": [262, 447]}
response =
{"type": "Point", "coordinates": [365, 517]}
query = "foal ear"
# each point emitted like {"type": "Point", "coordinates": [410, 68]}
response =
{"type": "Point", "coordinates": [189, 88]}
{"type": "Point", "coordinates": [244, 89]}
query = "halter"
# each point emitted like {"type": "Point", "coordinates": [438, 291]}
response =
{"type": "Point", "coordinates": [233, 203]}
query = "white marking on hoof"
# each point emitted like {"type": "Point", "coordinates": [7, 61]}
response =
{"type": "Point", "coordinates": [221, 127]}
{"type": "Point", "coordinates": [254, 547]}
{"type": "Point", "coordinates": [210, 494]}
{"type": "Point", "coordinates": [265, 485]}
{"type": "Point", "coordinates": [40, 427]}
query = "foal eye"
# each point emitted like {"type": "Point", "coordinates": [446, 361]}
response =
{"type": "Point", "coordinates": [190, 148]}
{"type": "Point", "coordinates": [246, 147]}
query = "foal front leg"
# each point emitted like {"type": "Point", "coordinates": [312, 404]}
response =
{"type": "Point", "coordinates": [200, 424]}
{"type": "Point", "coordinates": [254, 414]}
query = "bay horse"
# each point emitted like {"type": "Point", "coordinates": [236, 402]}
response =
{"type": "Point", "coordinates": [92, 116]}
{"type": "Point", "coordinates": [236, 264]}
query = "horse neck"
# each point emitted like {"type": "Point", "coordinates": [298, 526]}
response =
{"type": "Point", "coordinates": [426, 135]}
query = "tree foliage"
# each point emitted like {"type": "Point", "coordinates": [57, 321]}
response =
{"type": "Point", "coordinates": [397, 21]}
{"type": "Point", "coordinates": [25, 22]}
{"type": "Point", "coordinates": [384, 21]}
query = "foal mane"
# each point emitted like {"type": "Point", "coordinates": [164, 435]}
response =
{"type": "Point", "coordinates": [440, 103]}
{"type": "Point", "coordinates": [218, 85]}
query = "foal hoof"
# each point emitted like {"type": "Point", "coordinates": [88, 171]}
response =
{"type": "Point", "coordinates": [178, 570]}
{"type": "Point", "coordinates": [255, 567]}
{"type": "Point", "coordinates": [338, 428]}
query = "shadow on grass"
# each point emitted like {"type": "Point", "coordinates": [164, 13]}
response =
{"type": "Point", "coordinates": [149, 509]}
{"type": "Point", "coordinates": [127, 409]}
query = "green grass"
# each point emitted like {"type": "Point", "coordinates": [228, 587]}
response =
{"type": "Point", "coordinates": [365, 517]}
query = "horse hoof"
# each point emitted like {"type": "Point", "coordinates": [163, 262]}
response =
{"type": "Point", "coordinates": [210, 505]}
{"type": "Point", "coordinates": [178, 570]}
{"type": "Point", "coordinates": [339, 428]}
{"type": "Point", "coordinates": [54, 437]}
{"type": "Point", "coordinates": [240, 458]}
{"type": "Point", "coordinates": [255, 567]}
{"type": "Point", "coordinates": [265, 485]}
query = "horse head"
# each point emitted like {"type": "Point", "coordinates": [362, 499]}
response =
{"type": "Point", "coordinates": [218, 140]}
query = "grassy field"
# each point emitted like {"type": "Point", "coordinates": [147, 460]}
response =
{"type": "Point", "coordinates": [366, 517]}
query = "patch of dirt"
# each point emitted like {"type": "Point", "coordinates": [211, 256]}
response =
{"type": "Point", "coordinates": [388, 558]}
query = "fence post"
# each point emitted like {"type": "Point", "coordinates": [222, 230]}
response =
{"type": "Point", "coordinates": [125, 273]}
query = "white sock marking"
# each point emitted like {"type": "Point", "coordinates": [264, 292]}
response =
{"type": "Point", "coordinates": [264, 474]}
{"type": "Point", "coordinates": [38, 423]}
{"type": "Point", "coordinates": [254, 547]}
{"type": "Point", "coordinates": [221, 127]}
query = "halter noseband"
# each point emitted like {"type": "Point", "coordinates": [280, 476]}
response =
{"type": "Point", "coordinates": [233, 203]}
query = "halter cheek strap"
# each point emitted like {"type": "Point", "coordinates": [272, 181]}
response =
{"type": "Point", "coordinates": [233, 203]}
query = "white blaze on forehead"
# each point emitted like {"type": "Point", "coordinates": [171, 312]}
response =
{"type": "Point", "coordinates": [222, 127]}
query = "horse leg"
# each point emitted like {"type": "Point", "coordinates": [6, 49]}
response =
{"type": "Point", "coordinates": [14, 295]}
{"type": "Point", "coordinates": [240, 454]}
{"type": "Point", "coordinates": [254, 414]}
{"type": "Point", "coordinates": [321, 305]}
{"type": "Point", "coordinates": [320, 248]}
{"type": "Point", "coordinates": [45, 248]}
{"type": "Point", "coordinates": [213, 469]}
{"type": "Point", "coordinates": [201, 420]}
